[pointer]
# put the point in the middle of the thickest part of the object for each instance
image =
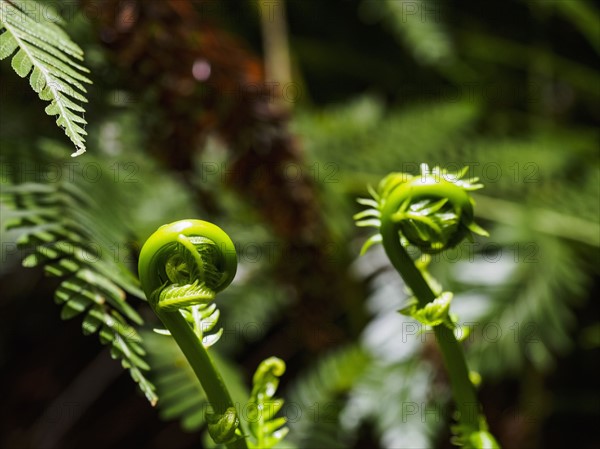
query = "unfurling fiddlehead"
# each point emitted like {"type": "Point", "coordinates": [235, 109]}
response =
{"type": "Point", "coordinates": [186, 263]}
{"type": "Point", "coordinates": [182, 266]}
{"type": "Point", "coordinates": [433, 212]}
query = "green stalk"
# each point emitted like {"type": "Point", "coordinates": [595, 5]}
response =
{"type": "Point", "coordinates": [452, 353]}
{"type": "Point", "coordinates": [203, 366]}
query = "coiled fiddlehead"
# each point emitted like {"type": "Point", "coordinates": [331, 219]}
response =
{"type": "Point", "coordinates": [182, 266]}
{"type": "Point", "coordinates": [186, 263]}
{"type": "Point", "coordinates": [434, 212]}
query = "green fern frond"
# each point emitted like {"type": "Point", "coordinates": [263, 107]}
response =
{"type": "Point", "coordinates": [45, 52]}
{"type": "Point", "coordinates": [405, 406]}
{"type": "Point", "coordinates": [417, 24]}
{"type": "Point", "coordinates": [378, 139]}
{"type": "Point", "coordinates": [528, 315]}
{"type": "Point", "coordinates": [319, 397]}
{"type": "Point", "coordinates": [58, 226]}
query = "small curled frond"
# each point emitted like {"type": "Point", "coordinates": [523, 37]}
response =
{"type": "Point", "coordinates": [185, 264]}
{"type": "Point", "coordinates": [266, 429]}
{"type": "Point", "coordinates": [432, 211]}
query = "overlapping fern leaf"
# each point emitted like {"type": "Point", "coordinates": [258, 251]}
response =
{"type": "Point", "coordinates": [78, 237]}
{"type": "Point", "coordinates": [530, 312]}
{"type": "Point", "coordinates": [318, 397]}
{"type": "Point", "coordinates": [45, 52]}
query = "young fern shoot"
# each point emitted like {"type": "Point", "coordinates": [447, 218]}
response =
{"type": "Point", "coordinates": [182, 267]}
{"type": "Point", "coordinates": [433, 212]}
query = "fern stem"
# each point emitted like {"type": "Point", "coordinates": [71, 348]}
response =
{"type": "Point", "coordinates": [203, 366]}
{"type": "Point", "coordinates": [452, 353]}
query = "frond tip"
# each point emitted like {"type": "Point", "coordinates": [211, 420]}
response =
{"type": "Point", "coordinates": [266, 429]}
{"type": "Point", "coordinates": [45, 52]}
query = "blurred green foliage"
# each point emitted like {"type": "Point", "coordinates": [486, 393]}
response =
{"type": "Point", "coordinates": [509, 89]}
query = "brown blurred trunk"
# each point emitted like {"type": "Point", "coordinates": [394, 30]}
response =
{"type": "Point", "coordinates": [203, 80]}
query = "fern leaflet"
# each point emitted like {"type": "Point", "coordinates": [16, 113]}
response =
{"type": "Point", "coordinates": [45, 52]}
{"type": "Point", "coordinates": [58, 226]}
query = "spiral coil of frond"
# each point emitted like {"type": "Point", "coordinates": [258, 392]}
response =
{"type": "Point", "coordinates": [431, 211]}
